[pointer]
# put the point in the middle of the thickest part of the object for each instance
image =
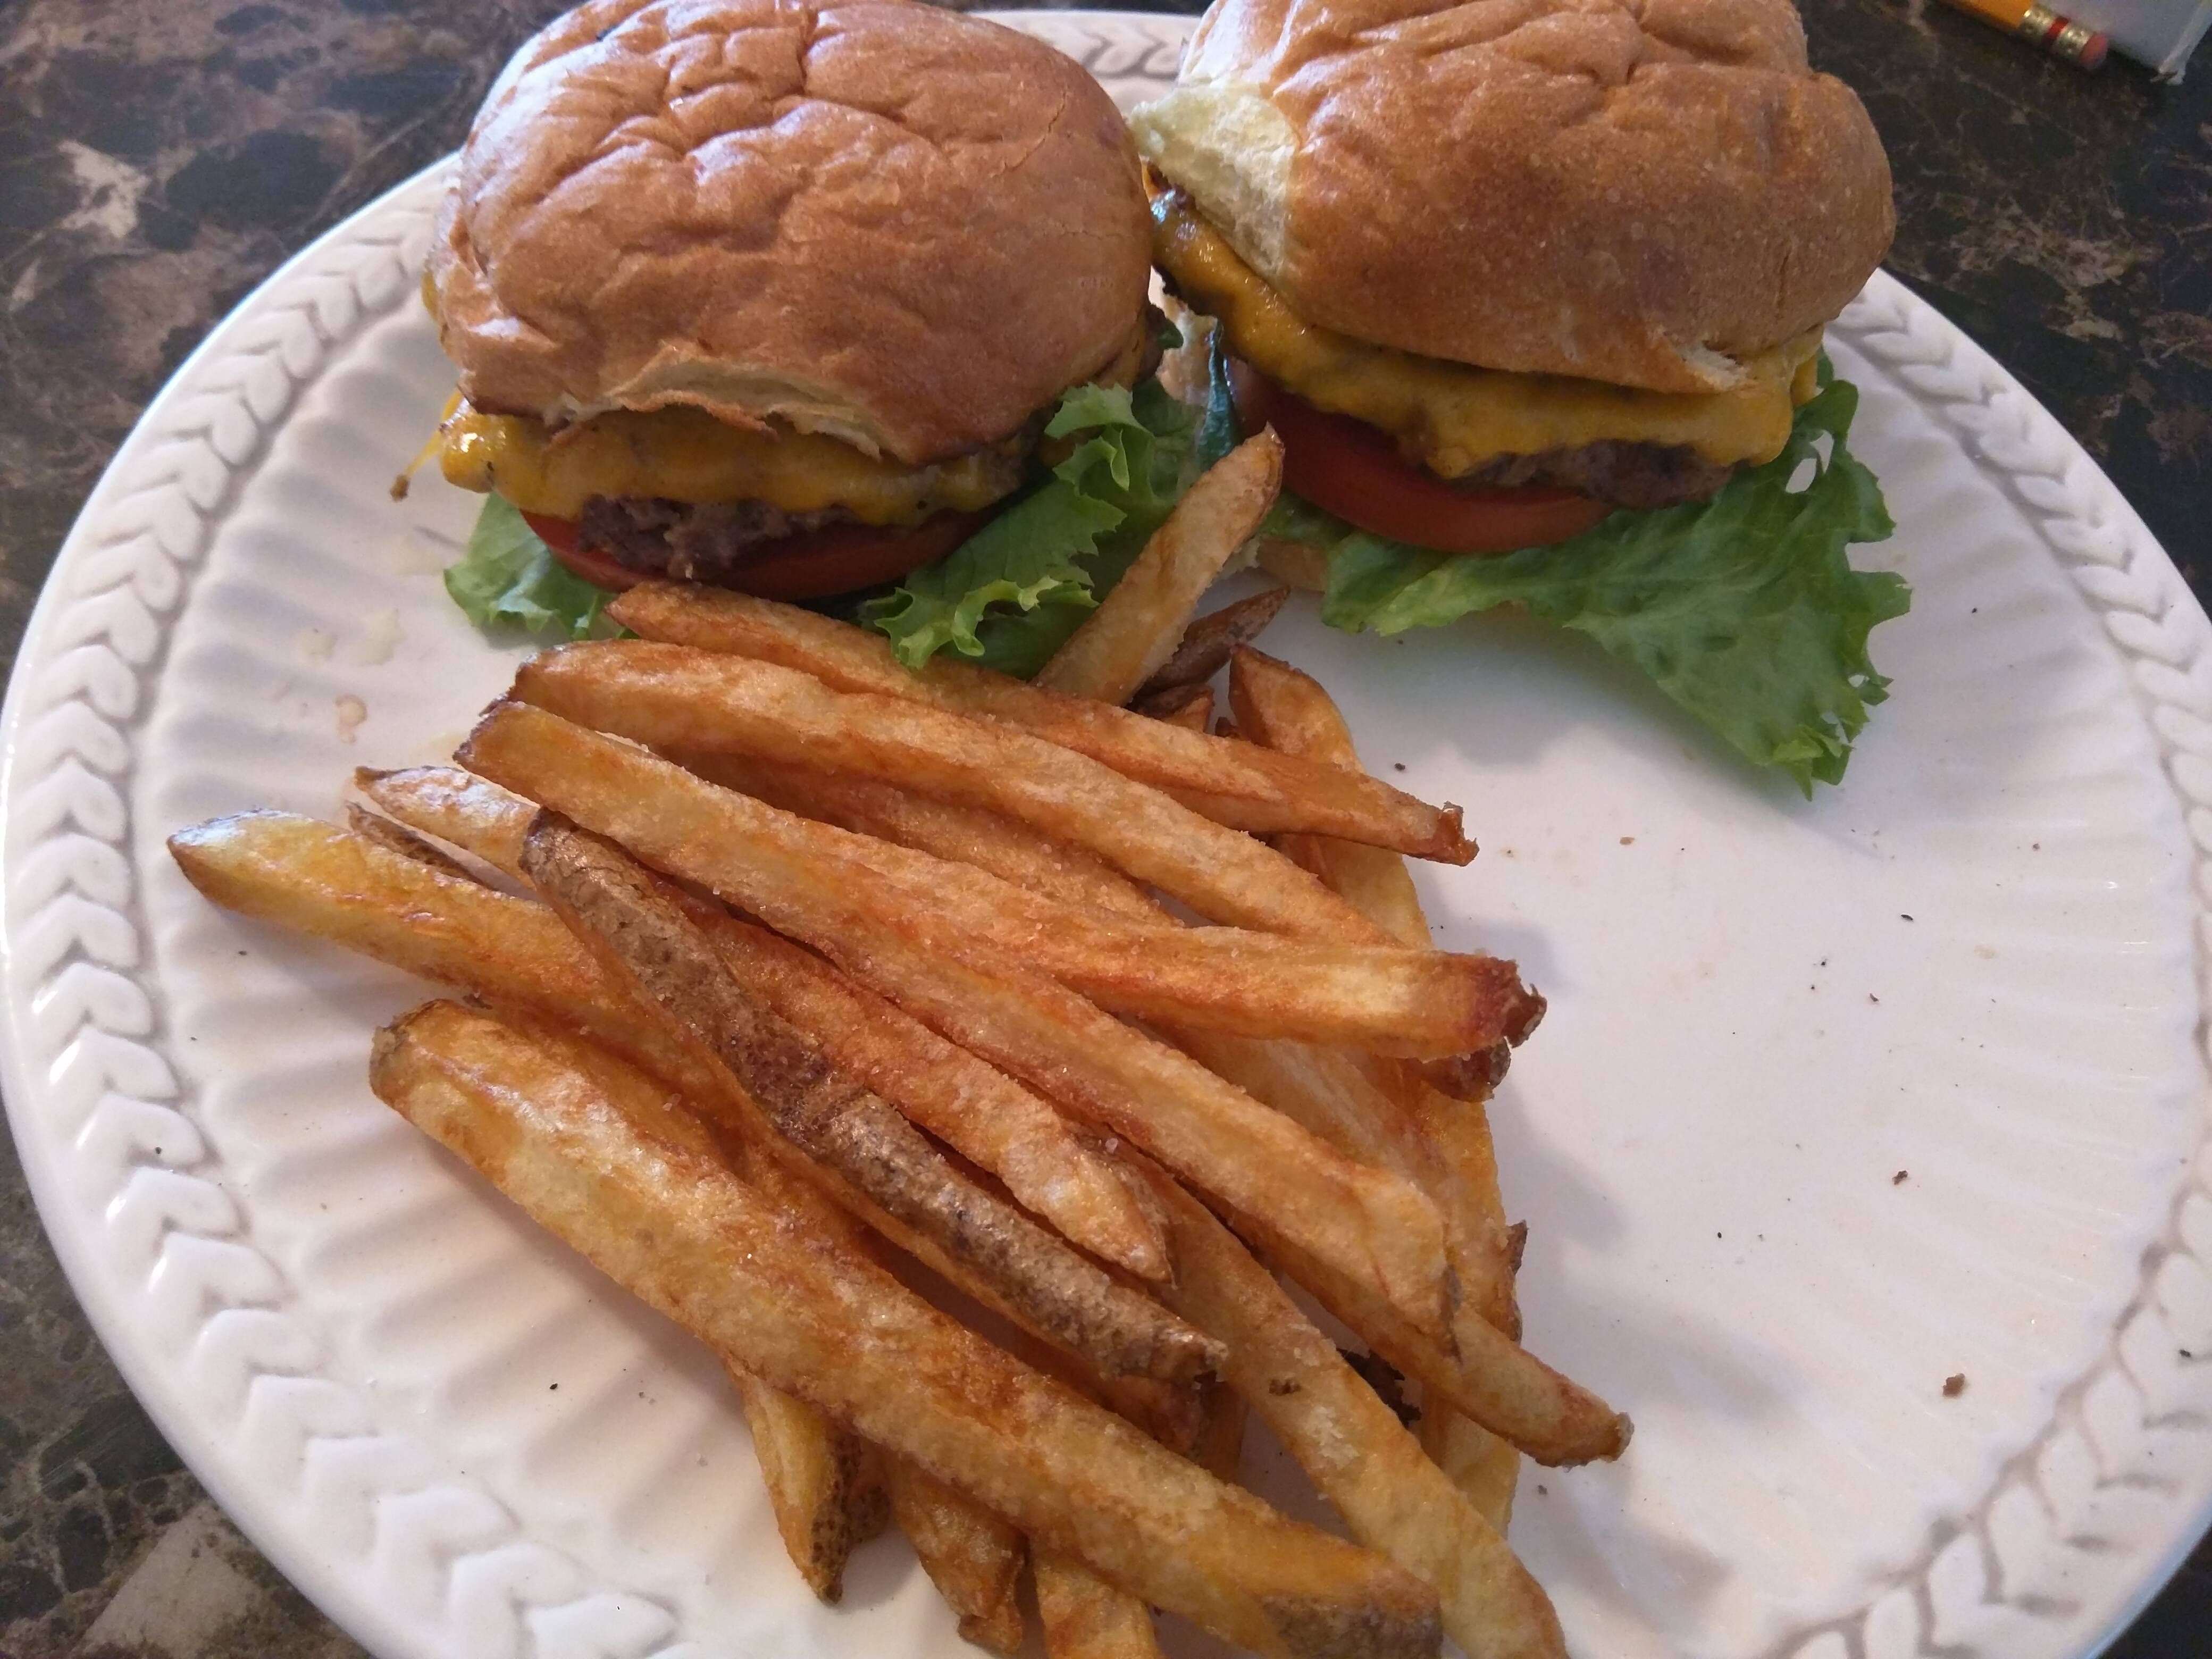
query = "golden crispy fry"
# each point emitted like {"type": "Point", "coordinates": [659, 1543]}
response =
{"type": "Point", "coordinates": [1415, 1003]}
{"type": "Point", "coordinates": [826, 1484]}
{"type": "Point", "coordinates": [1378, 1227]}
{"type": "Point", "coordinates": [516, 954]}
{"type": "Point", "coordinates": [490, 822]}
{"type": "Point", "coordinates": [1328, 1092]}
{"type": "Point", "coordinates": [400, 839]}
{"type": "Point", "coordinates": [1083, 1615]}
{"type": "Point", "coordinates": [584, 1155]}
{"type": "Point", "coordinates": [333, 884]}
{"type": "Point", "coordinates": [641, 935]}
{"type": "Point", "coordinates": [1208, 641]}
{"type": "Point", "coordinates": [1352, 1445]}
{"type": "Point", "coordinates": [1482, 1465]}
{"type": "Point", "coordinates": [1087, 1618]}
{"type": "Point", "coordinates": [1491, 1378]}
{"type": "Point", "coordinates": [1190, 706]}
{"type": "Point", "coordinates": [1247, 789]}
{"type": "Point", "coordinates": [973, 1558]}
{"type": "Point", "coordinates": [457, 807]}
{"type": "Point", "coordinates": [1134, 630]}
{"type": "Point", "coordinates": [675, 698]}
{"type": "Point", "coordinates": [1168, 1413]}
{"type": "Point", "coordinates": [1285, 709]}
{"type": "Point", "coordinates": [1289, 710]}
{"type": "Point", "coordinates": [1459, 1130]}
{"type": "Point", "coordinates": [1049, 1169]}
{"type": "Point", "coordinates": [944, 828]}
{"type": "Point", "coordinates": [981, 1114]}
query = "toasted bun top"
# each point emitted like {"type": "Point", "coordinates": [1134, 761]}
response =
{"type": "Point", "coordinates": [1642, 191]}
{"type": "Point", "coordinates": [901, 226]}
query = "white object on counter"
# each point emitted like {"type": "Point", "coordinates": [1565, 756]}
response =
{"type": "Point", "coordinates": [2159, 33]}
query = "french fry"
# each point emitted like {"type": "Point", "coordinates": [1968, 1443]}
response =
{"type": "Point", "coordinates": [675, 698]}
{"type": "Point", "coordinates": [1485, 1375]}
{"type": "Point", "coordinates": [1171, 1415]}
{"type": "Point", "coordinates": [1492, 1379]}
{"type": "Point", "coordinates": [1484, 1466]}
{"type": "Point", "coordinates": [643, 939]}
{"type": "Point", "coordinates": [333, 884]}
{"type": "Point", "coordinates": [458, 808]}
{"type": "Point", "coordinates": [1377, 1227]}
{"type": "Point", "coordinates": [517, 955]}
{"type": "Point", "coordinates": [677, 1228]}
{"type": "Point", "coordinates": [1046, 1165]}
{"type": "Point", "coordinates": [1190, 706]}
{"type": "Point", "coordinates": [1087, 1618]}
{"type": "Point", "coordinates": [825, 1486]}
{"type": "Point", "coordinates": [1328, 1092]}
{"type": "Point", "coordinates": [1289, 710]}
{"type": "Point", "coordinates": [944, 828]}
{"type": "Point", "coordinates": [986, 1116]}
{"type": "Point", "coordinates": [1206, 645]}
{"type": "Point", "coordinates": [1419, 1004]}
{"type": "Point", "coordinates": [1352, 1446]}
{"type": "Point", "coordinates": [400, 839]}
{"type": "Point", "coordinates": [973, 1558]}
{"type": "Point", "coordinates": [1135, 629]}
{"type": "Point", "coordinates": [1251, 789]}
{"type": "Point", "coordinates": [482, 819]}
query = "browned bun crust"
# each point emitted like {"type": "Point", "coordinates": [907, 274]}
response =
{"type": "Point", "coordinates": [1643, 191]}
{"type": "Point", "coordinates": [904, 227]}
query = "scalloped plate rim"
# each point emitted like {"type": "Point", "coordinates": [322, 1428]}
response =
{"type": "Point", "coordinates": [260, 1513]}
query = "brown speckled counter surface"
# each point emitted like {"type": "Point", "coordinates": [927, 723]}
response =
{"type": "Point", "coordinates": [158, 158]}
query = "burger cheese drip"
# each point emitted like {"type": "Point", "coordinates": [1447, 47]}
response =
{"type": "Point", "coordinates": [687, 455]}
{"type": "Point", "coordinates": [1456, 418]}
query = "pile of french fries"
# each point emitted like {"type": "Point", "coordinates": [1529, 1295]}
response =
{"type": "Point", "coordinates": [798, 991]}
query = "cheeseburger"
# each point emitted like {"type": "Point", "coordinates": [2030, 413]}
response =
{"type": "Point", "coordinates": [1493, 270]}
{"type": "Point", "coordinates": [1546, 279]}
{"type": "Point", "coordinates": [779, 294]}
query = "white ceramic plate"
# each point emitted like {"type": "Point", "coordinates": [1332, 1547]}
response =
{"type": "Point", "coordinates": [1976, 962]}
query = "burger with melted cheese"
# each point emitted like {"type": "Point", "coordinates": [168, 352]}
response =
{"type": "Point", "coordinates": [1512, 275]}
{"type": "Point", "coordinates": [1520, 261]}
{"type": "Point", "coordinates": [776, 294]}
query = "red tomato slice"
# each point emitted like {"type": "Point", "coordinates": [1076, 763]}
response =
{"type": "Point", "coordinates": [597, 568]}
{"type": "Point", "coordinates": [1349, 468]}
{"type": "Point", "coordinates": [808, 566]}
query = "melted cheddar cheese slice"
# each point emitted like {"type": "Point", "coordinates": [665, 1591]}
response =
{"type": "Point", "coordinates": [1455, 416]}
{"type": "Point", "coordinates": [684, 454]}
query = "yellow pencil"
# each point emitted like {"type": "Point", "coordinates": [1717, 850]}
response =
{"type": "Point", "coordinates": [2062, 37]}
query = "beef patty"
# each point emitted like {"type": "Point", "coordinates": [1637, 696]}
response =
{"type": "Point", "coordinates": [709, 543]}
{"type": "Point", "coordinates": [1635, 475]}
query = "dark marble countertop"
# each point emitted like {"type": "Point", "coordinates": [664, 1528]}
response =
{"type": "Point", "coordinates": [158, 158]}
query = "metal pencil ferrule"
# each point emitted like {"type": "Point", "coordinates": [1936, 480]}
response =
{"type": "Point", "coordinates": [2060, 37]}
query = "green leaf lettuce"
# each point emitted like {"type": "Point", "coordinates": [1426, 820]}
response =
{"type": "Point", "coordinates": [509, 578]}
{"type": "Point", "coordinates": [1743, 608]}
{"type": "Point", "coordinates": [1011, 593]}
